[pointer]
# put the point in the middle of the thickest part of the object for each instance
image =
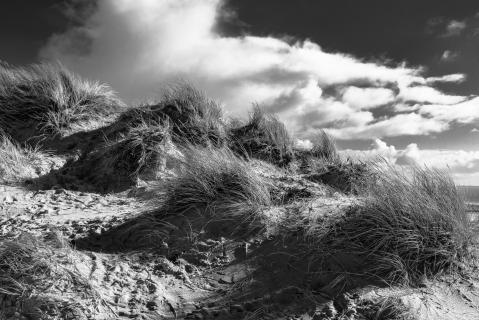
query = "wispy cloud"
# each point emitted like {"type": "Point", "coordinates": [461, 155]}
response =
{"type": "Point", "coordinates": [445, 28]}
{"type": "Point", "coordinates": [454, 28]}
{"type": "Point", "coordinates": [448, 56]}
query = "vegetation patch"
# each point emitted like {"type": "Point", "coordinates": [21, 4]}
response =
{"type": "Point", "coordinates": [218, 191]}
{"type": "Point", "coordinates": [193, 117]}
{"type": "Point", "coordinates": [143, 151]}
{"type": "Point", "coordinates": [346, 176]}
{"type": "Point", "coordinates": [323, 152]}
{"type": "Point", "coordinates": [39, 280]}
{"type": "Point", "coordinates": [263, 137]}
{"type": "Point", "coordinates": [17, 163]}
{"type": "Point", "coordinates": [413, 225]}
{"type": "Point", "coordinates": [47, 99]}
{"type": "Point", "coordinates": [389, 308]}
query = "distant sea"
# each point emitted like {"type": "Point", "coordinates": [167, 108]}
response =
{"type": "Point", "coordinates": [470, 193]}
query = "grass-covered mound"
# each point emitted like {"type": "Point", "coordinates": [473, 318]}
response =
{"type": "Point", "coordinates": [142, 151]}
{"type": "Point", "coordinates": [192, 116]}
{"type": "Point", "coordinates": [218, 192]}
{"type": "Point", "coordinates": [263, 137]}
{"type": "Point", "coordinates": [47, 99]}
{"type": "Point", "coordinates": [412, 225]}
{"type": "Point", "coordinates": [40, 279]}
{"type": "Point", "coordinates": [144, 141]}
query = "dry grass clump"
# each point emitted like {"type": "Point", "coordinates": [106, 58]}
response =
{"type": "Point", "coordinates": [219, 188]}
{"type": "Point", "coordinates": [116, 165]}
{"type": "Point", "coordinates": [412, 225]}
{"type": "Point", "coordinates": [48, 99]}
{"type": "Point", "coordinates": [38, 279]}
{"type": "Point", "coordinates": [346, 176]}
{"type": "Point", "coordinates": [390, 308]}
{"type": "Point", "coordinates": [324, 165]}
{"type": "Point", "coordinates": [323, 153]}
{"type": "Point", "coordinates": [193, 117]}
{"type": "Point", "coordinates": [17, 163]}
{"type": "Point", "coordinates": [263, 137]}
{"type": "Point", "coordinates": [324, 147]}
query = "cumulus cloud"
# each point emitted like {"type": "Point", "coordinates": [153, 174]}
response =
{"type": "Point", "coordinates": [303, 144]}
{"type": "Point", "coordinates": [409, 156]}
{"type": "Point", "coordinates": [140, 46]}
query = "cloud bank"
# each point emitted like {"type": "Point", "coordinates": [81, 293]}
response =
{"type": "Point", "coordinates": [140, 46]}
{"type": "Point", "coordinates": [463, 165]}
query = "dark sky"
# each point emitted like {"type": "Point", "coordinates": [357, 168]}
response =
{"type": "Point", "coordinates": [25, 25]}
{"type": "Point", "coordinates": [373, 29]}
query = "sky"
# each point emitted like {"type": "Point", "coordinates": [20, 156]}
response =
{"type": "Point", "coordinates": [397, 79]}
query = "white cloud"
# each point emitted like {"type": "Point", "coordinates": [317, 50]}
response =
{"type": "Point", "coordinates": [456, 78]}
{"type": "Point", "coordinates": [463, 165]}
{"type": "Point", "coordinates": [367, 98]}
{"type": "Point", "coordinates": [424, 94]}
{"type": "Point", "coordinates": [303, 144]}
{"type": "Point", "coordinates": [398, 125]}
{"type": "Point", "coordinates": [464, 112]}
{"type": "Point", "coordinates": [409, 156]}
{"type": "Point", "coordinates": [139, 46]}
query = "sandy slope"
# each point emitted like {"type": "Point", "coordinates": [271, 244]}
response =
{"type": "Point", "coordinates": [136, 275]}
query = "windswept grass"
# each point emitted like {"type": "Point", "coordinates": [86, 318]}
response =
{"type": "Point", "coordinates": [116, 165]}
{"type": "Point", "coordinates": [323, 164]}
{"type": "Point", "coordinates": [347, 176]}
{"type": "Point", "coordinates": [322, 153]}
{"type": "Point", "coordinates": [324, 147]}
{"type": "Point", "coordinates": [48, 99]}
{"type": "Point", "coordinates": [39, 279]}
{"type": "Point", "coordinates": [193, 117]}
{"type": "Point", "coordinates": [17, 163]}
{"type": "Point", "coordinates": [219, 188]}
{"type": "Point", "coordinates": [138, 150]}
{"type": "Point", "coordinates": [263, 137]}
{"type": "Point", "coordinates": [390, 308]}
{"type": "Point", "coordinates": [413, 225]}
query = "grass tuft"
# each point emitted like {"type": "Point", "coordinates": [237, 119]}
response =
{"type": "Point", "coordinates": [193, 117]}
{"type": "Point", "coordinates": [324, 147]}
{"type": "Point", "coordinates": [412, 226]}
{"type": "Point", "coordinates": [47, 99]}
{"type": "Point", "coordinates": [136, 151]}
{"type": "Point", "coordinates": [390, 308]}
{"type": "Point", "coordinates": [348, 176]}
{"type": "Point", "coordinates": [17, 163]}
{"type": "Point", "coordinates": [219, 188]}
{"type": "Point", "coordinates": [263, 137]}
{"type": "Point", "coordinates": [37, 276]}
{"type": "Point", "coordinates": [143, 150]}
